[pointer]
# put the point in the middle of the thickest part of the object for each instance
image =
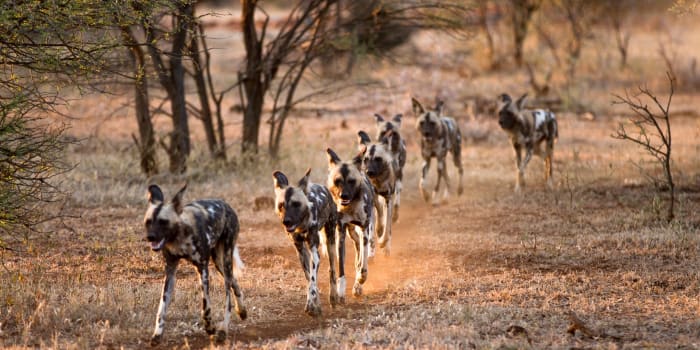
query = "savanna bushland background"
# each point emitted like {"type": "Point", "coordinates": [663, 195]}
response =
{"type": "Point", "coordinates": [100, 99]}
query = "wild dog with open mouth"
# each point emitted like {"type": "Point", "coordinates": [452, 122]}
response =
{"type": "Point", "coordinates": [399, 153]}
{"type": "Point", "coordinates": [199, 231]}
{"type": "Point", "coordinates": [310, 217]}
{"type": "Point", "coordinates": [380, 166]}
{"type": "Point", "coordinates": [355, 199]}
{"type": "Point", "coordinates": [439, 134]}
{"type": "Point", "coordinates": [529, 129]}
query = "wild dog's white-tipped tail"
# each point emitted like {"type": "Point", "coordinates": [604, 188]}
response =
{"type": "Point", "coordinates": [238, 265]}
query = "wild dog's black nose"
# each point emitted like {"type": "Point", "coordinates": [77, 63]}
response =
{"type": "Point", "coordinates": [344, 196]}
{"type": "Point", "coordinates": [286, 222]}
{"type": "Point", "coordinates": [371, 173]}
{"type": "Point", "coordinates": [151, 237]}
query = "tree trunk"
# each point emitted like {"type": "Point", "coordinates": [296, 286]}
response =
{"type": "Point", "coordinates": [253, 84]}
{"type": "Point", "coordinates": [146, 142]}
{"type": "Point", "coordinates": [215, 149]}
{"type": "Point", "coordinates": [173, 81]}
{"type": "Point", "coordinates": [522, 12]}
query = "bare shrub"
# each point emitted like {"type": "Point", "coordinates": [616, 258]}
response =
{"type": "Point", "coordinates": [653, 134]}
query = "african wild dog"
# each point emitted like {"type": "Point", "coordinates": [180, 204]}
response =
{"type": "Point", "coordinates": [355, 199]}
{"type": "Point", "coordinates": [439, 134]}
{"type": "Point", "coordinates": [310, 217]}
{"type": "Point", "coordinates": [380, 166]}
{"type": "Point", "coordinates": [529, 129]}
{"type": "Point", "coordinates": [393, 125]}
{"type": "Point", "coordinates": [199, 231]}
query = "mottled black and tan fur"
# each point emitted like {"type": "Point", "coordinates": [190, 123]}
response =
{"type": "Point", "coordinates": [356, 202]}
{"type": "Point", "coordinates": [197, 232]}
{"type": "Point", "coordinates": [439, 134]}
{"type": "Point", "coordinates": [310, 217]}
{"type": "Point", "coordinates": [393, 126]}
{"type": "Point", "coordinates": [380, 166]}
{"type": "Point", "coordinates": [528, 129]}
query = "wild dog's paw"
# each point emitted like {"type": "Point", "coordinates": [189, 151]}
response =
{"type": "Point", "coordinates": [334, 299]}
{"type": "Point", "coordinates": [156, 339]}
{"type": "Point", "coordinates": [242, 313]}
{"type": "Point", "coordinates": [426, 195]}
{"type": "Point", "coordinates": [357, 289]}
{"type": "Point", "coordinates": [312, 309]}
{"type": "Point", "coordinates": [220, 336]}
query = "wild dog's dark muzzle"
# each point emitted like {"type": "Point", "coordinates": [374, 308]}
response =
{"type": "Point", "coordinates": [156, 242]}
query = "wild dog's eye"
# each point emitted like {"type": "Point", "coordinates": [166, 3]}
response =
{"type": "Point", "coordinates": [352, 182]}
{"type": "Point", "coordinates": [378, 159]}
{"type": "Point", "coordinates": [296, 204]}
{"type": "Point", "coordinates": [280, 206]}
{"type": "Point", "coordinates": [149, 222]}
{"type": "Point", "coordinates": [337, 182]}
{"type": "Point", "coordinates": [162, 222]}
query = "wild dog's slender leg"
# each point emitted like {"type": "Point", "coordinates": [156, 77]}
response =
{"type": "Point", "coordinates": [166, 297]}
{"type": "Point", "coordinates": [397, 201]}
{"type": "Point", "coordinates": [528, 156]}
{"type": "Point", "coordinates": [457, 160]}
{"type": "Point", "coordinates": [341, 230]}
{"type": "Point", "coordinates": [385, 239]}
{"type": "Point", "coordinates": [313, 302]}
{"type": "Point", "coordinates": [303, 255]}
{"type": "Point", "coordinates": [240, 308]}
{"type": "Point", "coordinates": [379, 214]}
{"type": "Point", "coordinates": [224, 266]}
{"type": "Point", "coordinates": [329, 232]}
{"type": "Point", "coordinates": [360, 238]}
{"type": "Point", "coordinates": [426, 167]}
{"type": "Point", "coordinates": [203, 270]}
{"type": "Point", "coordinates": [518, 160]}
{"type": "Point", "coordinates": [549, 151]}
{"type": "Point", "coordinates": [442, 174]}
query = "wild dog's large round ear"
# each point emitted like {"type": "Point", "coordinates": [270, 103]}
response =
{"type": "Point", "coordinates": [417, 107]}
{"type": "Point", "coordinates": [397, 119]}
{"type": "Point", "coordinates": [439, 107]}
{"type": "Point", "coordinates": [378, 117]}
{"type": "Point", "coordinates": [279, 179]}
{"type": "Point", "coordinates": [304, 182]}
{"type": "Point", "coordinates": [505, 98]}
{"type": "Point", "coordinates": [177, 200]}
{"type": "Point", "coordinates": [520, 103]}
{"type": "Point", "coordinates": [333, 158]}
{"type": "Point", "coordinates": [363, 139]}
{"type": "Point", "coordinates": [155, 195]}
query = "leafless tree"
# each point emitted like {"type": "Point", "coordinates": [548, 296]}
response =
{"type": "Point", "coordinates": [521, 14]}
{"type": "Point", "coordinates": [277, 68]}
{"type": "Point", "coordinates": [489, 13]}
{"type": "Point", "coordinates": [652, 131]}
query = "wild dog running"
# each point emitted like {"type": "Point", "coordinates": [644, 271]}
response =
{"type": "Point", "coordinates": [529, 129]}
{"type": "Point", "coordinates": [393, 126]}
{"type": "Point", "coordinates": [199, 231]}
{"type": "Point", "coordinates": [355, 201]}
{"type": "Point", "coordinates": [439, 134]}
{"type": "Point", "coordinates": [309, 217]}
{"type": "Point", "coordinates": [380, 166]}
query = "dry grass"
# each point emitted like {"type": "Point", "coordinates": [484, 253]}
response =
{"type": "Point", "coordinates": [490, 269]}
